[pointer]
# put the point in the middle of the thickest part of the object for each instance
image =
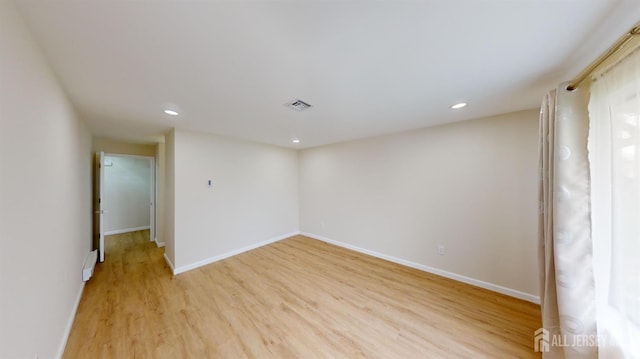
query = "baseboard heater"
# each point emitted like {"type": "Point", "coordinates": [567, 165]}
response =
{"type": "Point", "coordinates": [89, 265]}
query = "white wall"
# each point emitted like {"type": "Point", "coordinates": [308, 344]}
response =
{"type": "Point", "coordinates": [45, 198]}
{"type": "Point", "coordinates": [169, 197]}
{"type": "Point", "coordinates": [254, 197]}
{"type": "Point", "coordinates": [109, 145]}
{"type": "Point", "coordinates": [470, 186]}
{"type": "Point", "coordinates": [127, 193]}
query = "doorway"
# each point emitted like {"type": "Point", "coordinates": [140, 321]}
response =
{"type": "Point", "coordinates": [126, 191]}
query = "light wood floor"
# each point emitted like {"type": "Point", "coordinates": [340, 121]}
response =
{"type": "Point", "coordinates": [297, 298]}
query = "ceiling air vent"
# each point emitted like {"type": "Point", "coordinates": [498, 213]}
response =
{"type": "Point", "coordinates": [298, 105]}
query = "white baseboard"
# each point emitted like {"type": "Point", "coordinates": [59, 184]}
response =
{"type": "Point", "coordinates": [203, 262]}
{"type": "Point", "coordinates": [72, 317]}
{"type": "Point", "coordinates": [158, 244]}
{"type": "Point", "coordinates": [126, 230]}
{"type": "Point", "coordinates": [169, 263]}
{"type": "Point", "coordinates": [460, 278]}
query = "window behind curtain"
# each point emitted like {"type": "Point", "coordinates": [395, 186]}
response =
{"type": "Point", "coordinates": [614, 146]}
{"type": "Point", "coordinates": [625, 273]}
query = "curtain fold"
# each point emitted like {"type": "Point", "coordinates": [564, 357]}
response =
{"type": "Point", "coordinates": [567, 279]}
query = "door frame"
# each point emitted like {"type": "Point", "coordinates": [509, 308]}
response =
{"type": "Point", "coordinates": [98, 192]}
{"type": "Point", "coordinates": [153, 199]}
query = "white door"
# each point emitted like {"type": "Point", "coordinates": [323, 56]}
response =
{"type": "Point", "coordinates": [98, 205]}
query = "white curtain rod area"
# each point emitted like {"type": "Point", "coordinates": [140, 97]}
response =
{"type": "Point", "coordinates": [617, 46]}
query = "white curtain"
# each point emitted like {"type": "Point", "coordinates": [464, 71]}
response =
{"type": "Point", "coordinates": [614, 152]}
{"type": "Point", "coordinates": [567, 294]}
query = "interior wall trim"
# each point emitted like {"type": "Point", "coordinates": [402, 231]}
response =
{"type": "Point", "coordinates": [460, 278]}
{"type": "Point", "coordinates": [159, 244]}
{"type": "Point", "coordinates": [126, 230]}
{"type": "Point", "coordinates": [169, 263]}
{"type": "Point", "coordinates": [72, 317]}
{"type": "Point", "coordinates": [210, 260]}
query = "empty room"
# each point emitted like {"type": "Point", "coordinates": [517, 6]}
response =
{"type": "Point", "coordinates": [319, 179]}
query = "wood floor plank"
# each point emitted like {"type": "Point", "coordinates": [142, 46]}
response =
{"type": "Point", "coordinates": [297, 298]}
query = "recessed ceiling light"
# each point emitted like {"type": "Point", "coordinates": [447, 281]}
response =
{"type": "Point", "coordinates": [171, 112]}
{"type": "Point", "coordinates": [458, 105]}
{"type": "Point", "coordinates": [295, 140]}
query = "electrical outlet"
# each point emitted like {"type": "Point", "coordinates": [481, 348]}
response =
{"type": "Point", "coordinates": [441, 249]}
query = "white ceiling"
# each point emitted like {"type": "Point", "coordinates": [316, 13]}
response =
{"type": "Point", "coordinates": [367, 67]}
